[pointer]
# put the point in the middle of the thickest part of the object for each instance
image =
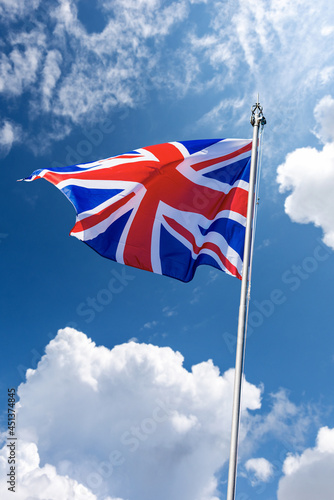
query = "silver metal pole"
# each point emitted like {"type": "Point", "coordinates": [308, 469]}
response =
{"type": "Point", "coordinates": [257, 119]}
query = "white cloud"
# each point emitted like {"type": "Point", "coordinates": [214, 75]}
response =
{"type": "Point", "coordinates": [261, 468]}
{"type": "Point", "coordinates": [169, 311]}
{"type": "Point", "coordinates": [324, 115]}
{"type": "Point", "coordinates": [19, 66]}
{"type": "Point", "coordinates": [283, 28]}
{"type": "Point", "coordinates": [310, 475]}
{"type": "Point", "coordinates": [86, 75]}
{"type": "Point", "coordinates": [217, 115]}
{"type": "Point", "coordinates": [261, 28]}
{"type": "Point", "coordinates": [285, 422]}
{"type": "Point", "coordinates": [14, 9]}
{"type": "Point", "coordinates": [253, 46]}
{"type": "Point", "coordinates": [115, 421]}
{"type": "Point", "coordinates": [102, 424]}
{"type": "Point", "coordinates": [150, 324]}
{"type": "Point", "coordinates": [51, 74]}
{"type": "Point", "coordinates": [62, 68]}
{"type": "Point", "coordinates": [122, 56]}
{"type": "Point", "coordinates": [326, 74]}
{"type": "Point", "coordinates": [38, 482]}
{"type": "Point", "coordinates": [18, 70]}
{"type": "Point", "coordinates": [309, 174]}
{"type": "Point", "coordinates": [327, 30]}
{"type": "Point", "coordinates": [9, 133]}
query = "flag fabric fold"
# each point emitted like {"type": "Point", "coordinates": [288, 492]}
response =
{"type": "Point", "coordinates": [166, 208]}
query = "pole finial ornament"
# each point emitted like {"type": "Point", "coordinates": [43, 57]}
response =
{"type": "Point", "coordinates": [257, 115]}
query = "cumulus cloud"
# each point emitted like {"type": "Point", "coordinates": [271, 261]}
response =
{"type": "Point", "coordinates": [131, 423]}
{"type": "Point", "coordinates": [260, 468]}
{"type": "Point", "coordinates": [38, 482]}
{"type": "Point", "coordinates": [308, 173]}
{"type": "Point", "coordinates": [128, 423]}
{"type": "Point", "coordinates": [310, 475]}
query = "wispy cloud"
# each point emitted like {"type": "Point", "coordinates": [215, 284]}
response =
{"type": "Point", "coordinates": [19, 68]}
{"type": "Point", "coordinates": [169, 311]}
{"type": "Point", "coordinates": [151, 324]}
{"type": "Point", "coordinates": [9, 133]}
{"type": "Point", "coordinates": [62, 70]}
{"type": "Point", "coordinates": [283, 50]}
{"type": "Point", "coordinates": [51, 74]}
{"type": "Point", "coordinates": [286, 421]}
{"type": "Point", "coordinates": [76, 75]}
{"type": "Point", "coordinates": [16, 9]}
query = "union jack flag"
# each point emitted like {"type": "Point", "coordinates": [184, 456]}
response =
{"type": "Point", "coordinates": [166, 208]}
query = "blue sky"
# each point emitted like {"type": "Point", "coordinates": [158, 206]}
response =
{"type": "Point", "coordinates": [84, 80]}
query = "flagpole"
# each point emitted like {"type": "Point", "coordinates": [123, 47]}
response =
{"type": "Point", "coordinates": [257, 119]}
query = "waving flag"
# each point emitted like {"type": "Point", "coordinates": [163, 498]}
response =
{"type": "Point", "coordinates": [166, 208]}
